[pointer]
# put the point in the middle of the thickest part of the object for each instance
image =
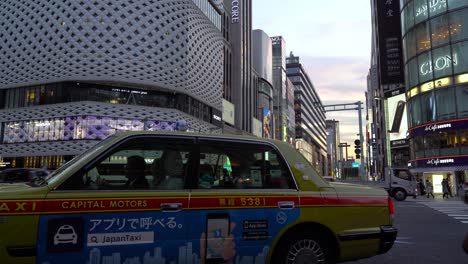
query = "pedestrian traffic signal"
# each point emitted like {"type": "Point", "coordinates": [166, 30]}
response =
{"type": "Point", "coordinates": [357, 148]}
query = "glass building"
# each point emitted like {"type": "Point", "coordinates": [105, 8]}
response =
{"type": "Point", "coordinates": [435, 43]}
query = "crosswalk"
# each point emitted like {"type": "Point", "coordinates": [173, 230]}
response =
{"type": "Point", "coordinates": [455, 209]}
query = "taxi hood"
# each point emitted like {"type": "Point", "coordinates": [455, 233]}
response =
{"type": "Point", "coordinates": [356, 189]}
{"type": "Point", "coordinates": [10, 191]}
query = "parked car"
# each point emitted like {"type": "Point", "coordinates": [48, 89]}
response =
{"type": "Point", "coordinates": [136, 193]}
{"type": "Point", "coordinates": [22, 175]}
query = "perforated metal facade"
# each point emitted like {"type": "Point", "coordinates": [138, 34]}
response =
{"type": "Point", "coordinates": [168, 45]}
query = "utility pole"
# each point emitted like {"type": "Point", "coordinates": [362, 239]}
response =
{"type": "Point", "coordinates": [352, 107]}
{"type": "Point", "coordinates": [344, 145]}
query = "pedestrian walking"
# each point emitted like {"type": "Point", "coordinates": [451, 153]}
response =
{"type": "Point", "coordinates": [449, 186]}
{"type": "Point", "coordinates": [445, 188]}
{"type": "Point", "coordinates": [429, 189]}
{"type": "Point", "coordinates": [422, 188]}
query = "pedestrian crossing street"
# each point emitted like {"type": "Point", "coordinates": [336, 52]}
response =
{"type": "Point", "coordinates": [455, 209]}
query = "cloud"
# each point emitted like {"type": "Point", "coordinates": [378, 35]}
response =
{"type": "Point", "coordinates": [340, 80]}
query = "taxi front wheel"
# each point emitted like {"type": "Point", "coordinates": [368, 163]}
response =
{"type": "Point", "coordinates": [307, 249]}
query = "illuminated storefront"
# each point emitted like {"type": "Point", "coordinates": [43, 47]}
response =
{"type": "Point", "coordinates": [435, 41]}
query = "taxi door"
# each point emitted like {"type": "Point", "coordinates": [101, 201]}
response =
{"type": "Point", "coordinates": [113, 209]}
{"type": "Point", "coordinates": [243, 195]}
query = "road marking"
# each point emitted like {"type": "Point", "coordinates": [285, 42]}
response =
{"type": "Point", "coordinates": [403, 242]}
{"type": "Point", "coordinates": [455, 209]}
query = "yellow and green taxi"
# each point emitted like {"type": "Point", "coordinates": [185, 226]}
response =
{"type": "Point", "coordinates": [149, 197]}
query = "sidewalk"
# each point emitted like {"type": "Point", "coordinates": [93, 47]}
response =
{"type": "Point", "coordinates": [437, 198]}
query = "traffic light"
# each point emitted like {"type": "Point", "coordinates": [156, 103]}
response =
{"type": "Point", "coordinates": [357, 148]}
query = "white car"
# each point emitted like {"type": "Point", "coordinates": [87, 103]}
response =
{"type": "Point", "coordinates": [65, 235]}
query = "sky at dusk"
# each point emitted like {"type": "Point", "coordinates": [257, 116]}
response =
{"type": "Point", "coordinates": [333, 40]}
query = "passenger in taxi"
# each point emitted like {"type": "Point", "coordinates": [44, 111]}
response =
{"type": "Point", "coordinates": [168, 171]}
{"type": "Point", "coordinates": [135, 170]}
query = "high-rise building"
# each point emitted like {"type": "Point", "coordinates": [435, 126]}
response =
{"type": "Point", "coordinates": [280, 110]}
{"type": "Point", "coordinates": [309, 115]}
{"type": "Point", "coordinates": [75, 72]}
{"type": "Point", "coordinates": [263, 65]}
{"type": "Point", "coordinates": [333, 142]}
{"type": "Point", "coordinates": [435, 43]}
{"type": "Point", "coordinates": [385, 100]}
{"type": "Point", "coordinates": [243, 80]}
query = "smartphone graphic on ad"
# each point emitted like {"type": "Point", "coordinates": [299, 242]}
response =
{"type": "Point", "coordinates": [217, 231]}
{"type": "Point", "coordinates": [398, 116]}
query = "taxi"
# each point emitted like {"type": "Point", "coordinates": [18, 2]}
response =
{"type": "Point", "coordinates": [154, 197]}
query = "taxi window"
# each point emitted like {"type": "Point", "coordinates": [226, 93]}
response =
{"type": "Point", "coordinates": [227, 165]}
{"type": "Point", "coordinates": [138, 164]}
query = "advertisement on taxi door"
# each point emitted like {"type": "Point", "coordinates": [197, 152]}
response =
{"type": "Point", "coordinates": [228, 230]}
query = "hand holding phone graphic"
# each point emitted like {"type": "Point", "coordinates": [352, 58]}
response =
{"type": "Point", "coordinates": [400, 108]}
{"type": "Point", "coordinates": [217, 244]}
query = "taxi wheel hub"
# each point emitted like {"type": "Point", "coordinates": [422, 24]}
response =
{"type": "Point", "coordinates": [306, 251]}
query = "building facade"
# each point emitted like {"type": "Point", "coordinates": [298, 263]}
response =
{"type": "Point", "coordinates": [263, 65]}
{"type": "Point", "coordinates": [385, 100]}
{"type": "Point", "coordinates": [243, 80]}
{"type": "Point", "coordinates": [76, 72]}
{"type": "Point", "coordinates": [280, 113]}
{"type": "Point", "coordinates": [435, 41]}
{"type": "Point", "coordinates": [309, 116]}
{"type": "Point", "coordinates": [333, 150]}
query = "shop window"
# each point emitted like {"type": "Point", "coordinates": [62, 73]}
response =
{"type": "Point", "coordinates": [448, 139]}
{"type": "Point", "coordinates": [463, 141]}
{"type": "Point", "coordinates": [462, 98]}
{"type": "Point", "coordinates": [432, 144]}
{"type": "Point", "coordinates": [445, 103]}
{"type": "Point", "coordinates": [448, 143]}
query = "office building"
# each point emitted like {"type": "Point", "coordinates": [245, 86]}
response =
{"type": "Point", "coordinates": [263, 66]}
{"type": "Point", "coordinates": [309, 116]}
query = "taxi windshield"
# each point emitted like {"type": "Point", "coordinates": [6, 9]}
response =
{"type": "Point", "coordinates": [90, 151]}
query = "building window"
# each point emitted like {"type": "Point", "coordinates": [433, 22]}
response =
{"type": "Point", "coordinates": [460, 57]}
{"type": "Point", "coordinates": [412, 73]}
{"type": "Point", "coordinates": [459, 25]}
{"type": "Point", "coordinates": [432, 144]}
{"type": "Point", "coordinates": [442, 62]}
{"type": "Point", "coordinates": [425, 67]}
{"type": "Point", "coordinates": [428, 107]}
{"type": "Point", "coordinates": [420, 11]}
{"type": "Point", "coordinates": [439, 30]}
{"type": "Point", "coordinates": [462, 98]}
{"type": "Point", "coordinates": [452, 4]}
{"type": "Point", "coordinates": [408, 17]}
{"type": "Point", "coordinates": [422, 37]}
{"type": "Point", "coordinates": [445, 105]}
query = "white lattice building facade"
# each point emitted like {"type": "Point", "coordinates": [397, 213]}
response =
{"type": "Point", "coordinates": [73, 72]}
